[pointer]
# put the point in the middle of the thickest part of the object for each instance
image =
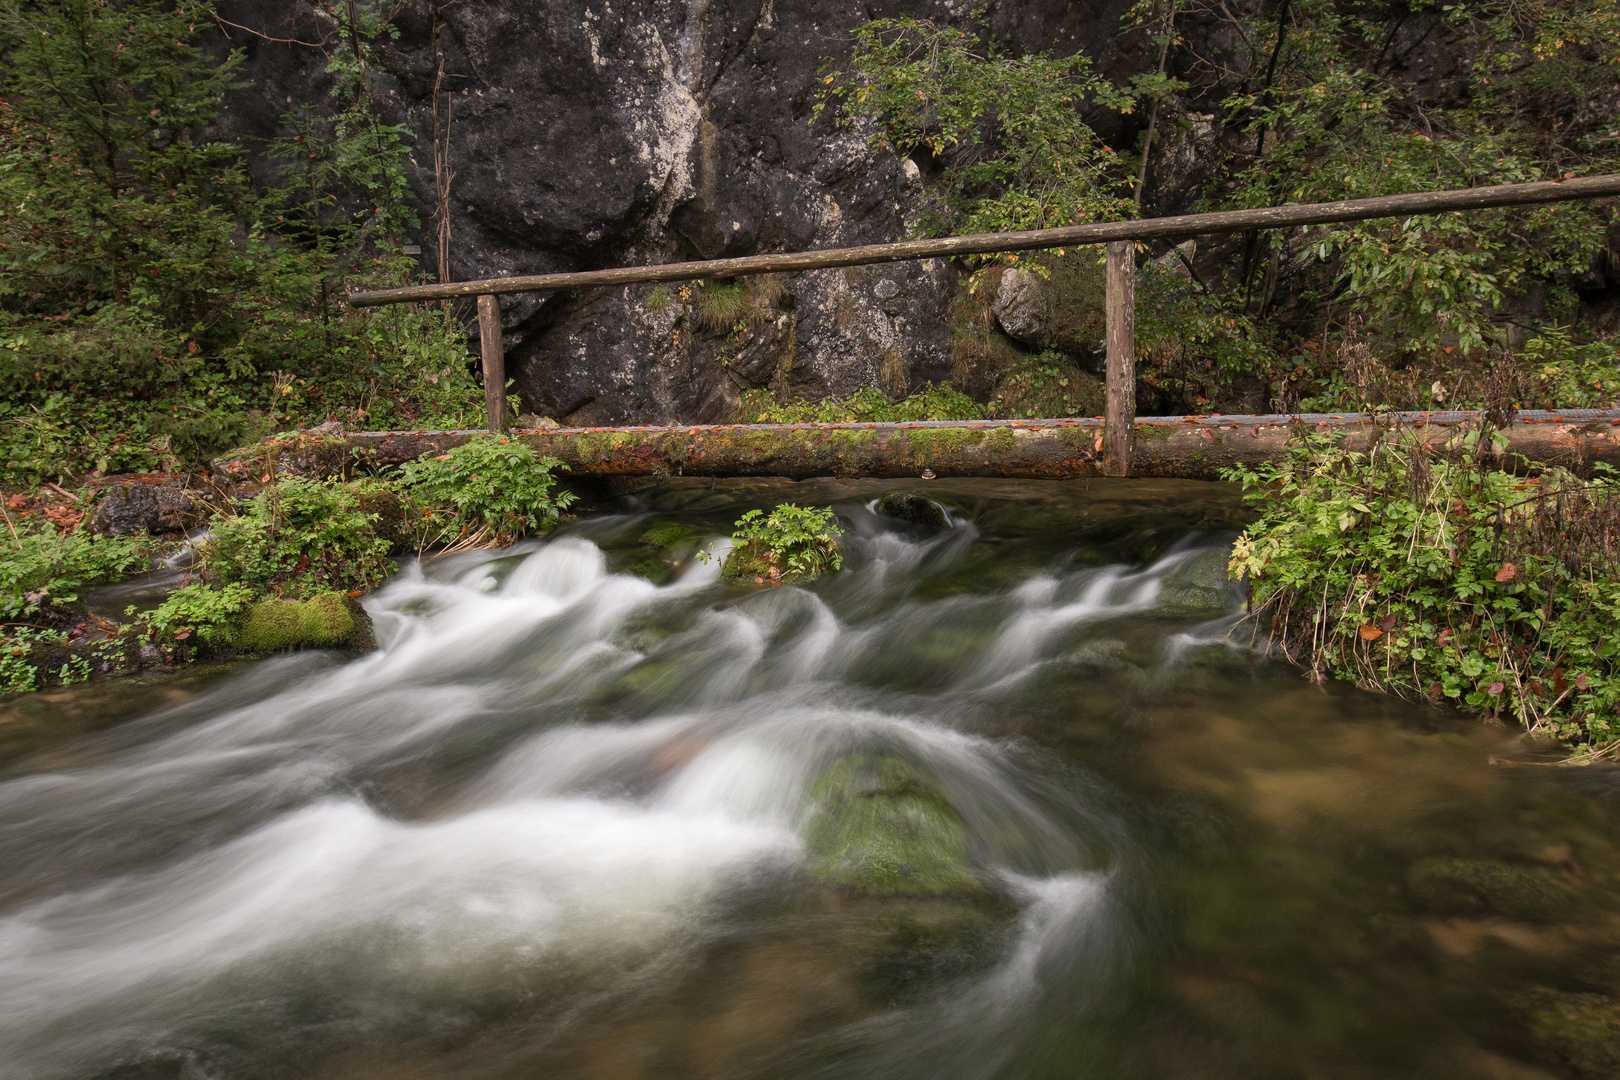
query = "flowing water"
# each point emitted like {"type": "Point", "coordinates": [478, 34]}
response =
{"type": "Point", "coordinates": [560, 824]}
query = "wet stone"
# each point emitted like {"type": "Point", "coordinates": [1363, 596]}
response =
{"type": "Point", "coordinates": [1472, 886]}
{"type": "Point", "coordinates": [878, 828]}
{"type": "Point", "coordinates": [913, 509]}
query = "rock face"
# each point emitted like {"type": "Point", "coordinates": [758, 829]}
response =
{"type": "Point", "coordinates": [584, 134]}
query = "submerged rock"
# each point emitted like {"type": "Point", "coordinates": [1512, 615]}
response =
{"type": "Point", "coordinates": [1582, 1030]}
{"type": "Point", "coordinates": [1200, 584]}
{"type": "Point", "coordinates": [915, 509]}
{"type": "Point", "coordinates": [325, 621]}
{"type": "Point", "coordinates": [880, 829]}
{"type": "Point", "coordinates": [1473, 886]}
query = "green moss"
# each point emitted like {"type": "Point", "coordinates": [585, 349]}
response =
{"type": "Point", "coordinates": [1581, 1029]}
{"type": "Point", "coordinates": [880, 829]}
{"type": "Point", "coordinates": [324, 621]}
{"type": "Point", "coordinates": [934, 443]}
{"type": "Point", "coordinates": [1472, 886]}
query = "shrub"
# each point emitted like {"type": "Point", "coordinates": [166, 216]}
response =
{"type": "Point", "coordinates": [488, 487]}
{"type": "Point", "coordinates": [794, 543]}
{"type": "Point", "coordinates": [298, 537]}
{"type": "Point", "coordinates": [1047, 384]}
{"type": "Point", "coordinates": [1408, 572]}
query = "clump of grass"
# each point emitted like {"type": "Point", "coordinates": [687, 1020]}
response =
{"type": "Point", "coordinates": [726, 305]}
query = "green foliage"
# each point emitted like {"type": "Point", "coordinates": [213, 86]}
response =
{"type": "Point", "coordinates": [1010, 131]}
{"type": "Point", "coordinates": [489, 486]}
{"type": "Point", "coordinates": [868, 405]}
{"type": "Point", "coordinates": [298, 537]}
{"type": "Point", "coordinates": [1572, 376]}
{"type": "Point", "coordinates": [43, 568]}
{"type": "Point", "coordinates": [1403, 570]}
{"type": "Point", "coordinates": [154, 307]}
{"type": "Point", "coordinates": [1046, 384]}
{"type": "Point", "coordinates": [197, 612]}
{"type": "Point", "coordinates": [733, 305]}
{"type": "Point", "coordinates": [1331, 123]}
{"type": "Point", "coordinates": [793, 543]}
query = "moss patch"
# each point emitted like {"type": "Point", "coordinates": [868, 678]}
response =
{"type": "Point", "coordinates": [880, 829]}
{"type": "Point", "coordinates": [324, 621]}
{"type": "Point", "coordinates": [1473, 886]}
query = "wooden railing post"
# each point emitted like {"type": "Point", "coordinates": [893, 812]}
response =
{"type": "Point", "coordinates": [1121, 410]}
{"type": "Point", "coordinates": [489, 340]}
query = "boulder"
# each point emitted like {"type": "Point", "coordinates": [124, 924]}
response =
{"type": "Point", "coordinates": [913, 509]}
{"type": "Point", "coordinates": [158, 505]}
{"type": "Point", "coordinates": [1199, 585]}
{"type": "Point", "coordinates": [878, 828]}
{"type": "Point", "coordinates": [1023, 307]}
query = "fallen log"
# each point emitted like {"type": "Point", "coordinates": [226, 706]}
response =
{"type": "Point", "coordinates": [1189, 447]}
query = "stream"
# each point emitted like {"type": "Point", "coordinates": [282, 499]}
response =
{"type": "Point", "coordinates": [570, 820]}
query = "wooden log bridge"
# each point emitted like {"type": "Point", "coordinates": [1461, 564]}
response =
{"type": "Point", "coordinates": [1191, 447]}
{"type": "Point", "coordinates": [1120, 237]}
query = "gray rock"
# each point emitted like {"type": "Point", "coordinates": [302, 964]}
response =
{"type": "Point", "coordinates": [142, 507]}
{"type": "Point", "coordinates": [1023, 308]}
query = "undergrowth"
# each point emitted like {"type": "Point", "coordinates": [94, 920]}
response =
{"type": "Point", "coordinates": [869, 405]}
{"type": "Point", "coordinates": [1430, 573]}
{"type": "Point", "coordinates": [792, 543]}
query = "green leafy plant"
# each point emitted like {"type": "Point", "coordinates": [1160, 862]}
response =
{"type": "Point", "coordinates": [198, 613]}
{"type": "Point", "coordinates": [42, 569]}
{"type": "Point", "coordinates": [488, 488]}
{"type": "Point", "coordinates": [792, 543]}
{"type": "Point", "coordinates": [1046, 384]}
{"type": "Point", "coordinates": [298, 537]}
{"type": "Point", "coordinates": [1010, 131]}
{"type": "Point", "coordinates": [1430, 575]}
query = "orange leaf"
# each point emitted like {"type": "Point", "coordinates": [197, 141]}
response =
{"type": "Point", "coordinates": [1370, 633]}
{"type": "Point", "coordinates": [1507, 573]}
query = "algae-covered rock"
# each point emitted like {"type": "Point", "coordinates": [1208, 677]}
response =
{"type": "Point", "coordinates": [916, 509]}
{"type": "Point", "coordinates": [1200, 584]}
{"type": "Point", "coordinates": [880, 829]}
{"type": "Point", "coordinates": [1473, 886]}
{"type": "Point", "coordinates": [324, 621]}
{"type": "Point", "coordinates": [1583, 1030]}
{"type": "Point", "coordinates": [661, 549]}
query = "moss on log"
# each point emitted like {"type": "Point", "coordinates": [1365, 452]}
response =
{"type": "Point", "coordinates": [1190, 447]}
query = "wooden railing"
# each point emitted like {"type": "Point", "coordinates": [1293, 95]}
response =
{"type": "Point", "coordinates": [1119, 236]}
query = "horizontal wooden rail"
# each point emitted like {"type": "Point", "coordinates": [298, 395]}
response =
{"type": "Point", "coordinates": [1191, 447]}
{"type": "Point", "coordinates": [1118, 235]}
{"type": "Point", "coordinates": [1167, 228]}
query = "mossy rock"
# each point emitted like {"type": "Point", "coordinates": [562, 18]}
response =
{"type": "Point", "coordinates": [325, 621]}
{"type": "Point", "coordinates": [916, 510]}
{"type": "Point", "coordinates": [1476, 886]}
{"type": "Point", "coordinates": [666, 534]}
{"type": "Point", "coordinates": [1199, 585]}
{"type": "Point", "coordinates": [879, 829]}
{"type": "Point", "coordinates": [390, 512]}
{"type": "Point", "coordinates": [1582, 1030]}
{"type": "Point", "coordinates": [753, 561]}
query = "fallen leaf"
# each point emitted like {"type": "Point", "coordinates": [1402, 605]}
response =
{"type": "Point", "coordinates": [183, 634]}
{"type": "Point", "coordinates": [1494, 689]}
{"type": "Point", "coordinates": [1387, 623]}
{"type": "Point", "coordinates": [1445, 635]}
{"type": "Point", "coordinates": [1370, 633]}
{"type": "Point", "coordinates": [1507, 573]}
{"type": "Point", "coordinates": [1580, 681]}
